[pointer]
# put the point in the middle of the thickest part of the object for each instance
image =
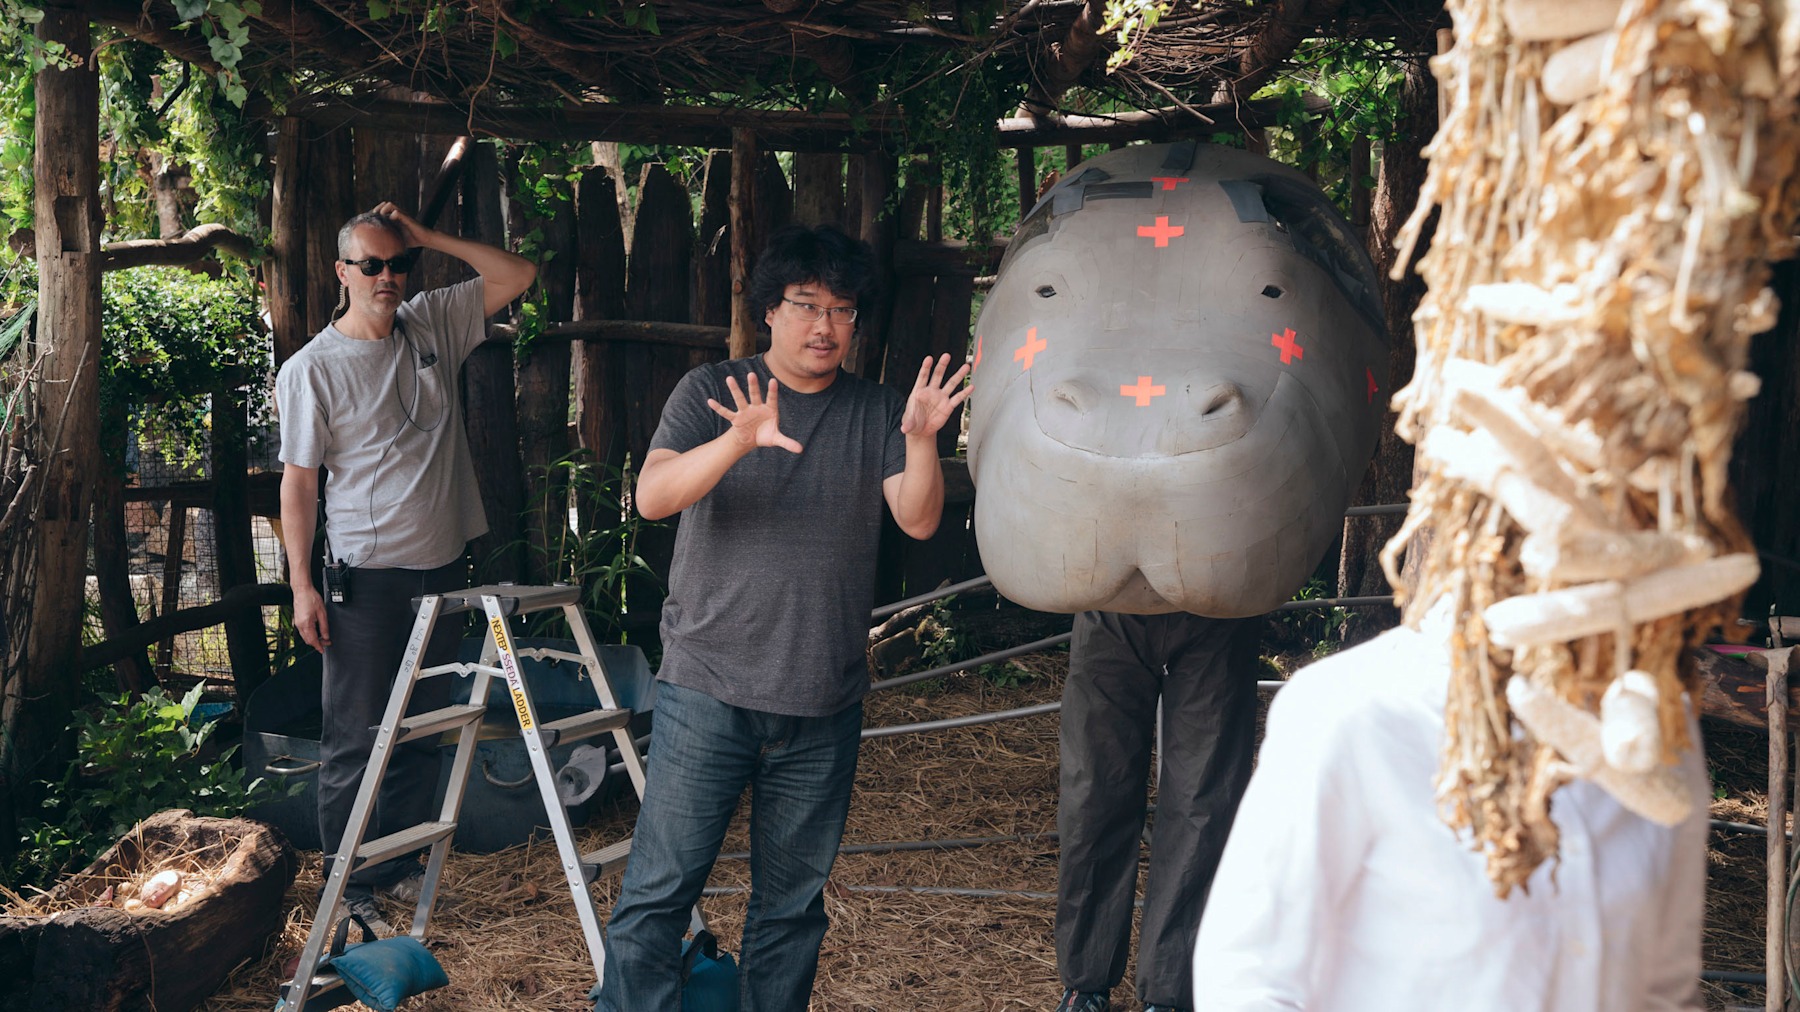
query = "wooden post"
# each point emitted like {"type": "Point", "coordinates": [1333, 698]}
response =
{"type": "Point", "coordinates": [952, 299]}
{"type": "Point", "coordinates": [543, 399]}
{"type": "Point", "coordinates": [744, 242]}
{"type": "Point", "coordinates": [112, 552]}
{"type": "Point", "coordinates": [712, 301]}
{"type": "Point", "coordinates": [489, 411]}
{"type": "Point", "coordinates": [329, 198]}
{"type": "Point", "coordinates": [1360, 193]}
{"type": "Point", "coordinates": [1027, 166]}
{"type": "Point", "coordinates": [174, 547]}
{"type": "Point", "coordinates": [287, 243]}
{"type": "Point", "coordinates": [877, 229]}
{"type": "Point", "coordinates": [386, 164]}
{"type": "Point", "coordinates": [246, 641]}
{"type": "Point", "coordinates": [599, 295]}
{"type": "Point", "coordinates": [819, 189]}
{"type": "Point", "coordinates": [40, 694]}
{"type": "Point", "coordinates": [774, 198]}
{"type": "Point", "coordinates": [657, 289]}
{"type": "Point", "coordinates": [1071, 156]}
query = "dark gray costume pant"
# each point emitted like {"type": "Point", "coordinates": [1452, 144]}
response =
{"type": "Point", "coordinates": [368, 639]}
{"type": "Point", "coordinates": [1204, 670]}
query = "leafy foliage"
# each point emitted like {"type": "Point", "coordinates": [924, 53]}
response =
{"type": "Point", "coordinates": [134, 758]}
{"type": "Point", "coordinates": [173, 338]}
{"type": "Point", "coordinates": [1362, 87]}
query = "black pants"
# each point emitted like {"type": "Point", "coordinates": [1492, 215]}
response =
{"type": "Point", "coordinates": [1204, 671]}
{"type": "Point", "coordinates": [368, 639]}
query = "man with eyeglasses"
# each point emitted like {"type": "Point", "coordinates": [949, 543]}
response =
{"type": "Point", "coordinates": [779, 465]}
{"type": "Point", "coordinates": [376, 399]}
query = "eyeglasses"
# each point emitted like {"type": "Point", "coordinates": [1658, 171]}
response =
{"type": "Point", "coordinates": [840, 315]}
{"type": "Point", "coordinates": [371, 266]}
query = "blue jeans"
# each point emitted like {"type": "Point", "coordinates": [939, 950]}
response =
{"type": "Point", "coordinates": [702, 754]}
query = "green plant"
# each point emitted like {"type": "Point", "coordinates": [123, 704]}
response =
{"type": "Point", "coordinates": [134, 758]}
{"type": "Point", "coordinates": [1307, 629]}
{"type": "Point", "coordinates": [599, 553]}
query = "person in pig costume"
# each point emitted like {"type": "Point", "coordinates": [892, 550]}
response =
{"type": "Point", "coordinates": [1177, 396]}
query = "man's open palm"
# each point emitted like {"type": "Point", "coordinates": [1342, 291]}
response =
{"type": "Point", "coordinates": [934, 397]}
{"type": "Point", "coordinates": [756, 422]}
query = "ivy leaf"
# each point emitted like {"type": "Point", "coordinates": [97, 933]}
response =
{"type": "Point", "coordinates": [224, 50]}
{"type": "Point", "coordinates": [379, 10]}
{"type": "Point", "coordinates": [188, 10]}
{"type": "Point", "coordinates": [505, 44]}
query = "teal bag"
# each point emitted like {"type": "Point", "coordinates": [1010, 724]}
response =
{"type": "Point", "coordinates": [383, 972]}
{"type": "Point", "coordinates": [709, 978]}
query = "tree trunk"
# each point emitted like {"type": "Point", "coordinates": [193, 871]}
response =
{"type": "Point", "coordinates": [1390, 473]}
{"type": "Point", "coordinates": [39, 695]}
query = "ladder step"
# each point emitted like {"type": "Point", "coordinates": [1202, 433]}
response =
{"type": "Point", "coordinates": [438, 721]}
{"type": "Point", "coordinates": [514, 600]}
{"type": "Point", "coordinates": [583, 725]}
{"type": "Point", "coordinates": [607, 859]}
{"type": "Point", "coordinates": [324, 982]}
{"type": "Point", "coordinates": [404, 842]}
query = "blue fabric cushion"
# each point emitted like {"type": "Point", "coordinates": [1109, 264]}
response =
{"type": "Point", "coordinates": [384, 973]}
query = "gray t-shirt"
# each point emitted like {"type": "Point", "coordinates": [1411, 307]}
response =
{"type": "Point", "coordinates": [773, 577]}
{"type": "Point", "coordinates": [385, 418]}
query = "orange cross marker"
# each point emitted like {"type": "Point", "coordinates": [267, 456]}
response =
{"type": "Point", "coordinates": [1031, 348]}
{"type": "Point", "coordinates": [1373, 386]}
{"type": "Point", "coordinates": [1162, 231]}
{"type": "Point", "coordinates": [977, 363]}
{"type": "Point", "coordinates": [1143, 391]}
{"type": "Point", "coordinates": [1289, 349]}
{"type": "Point", "coordinates": [1168, 182]}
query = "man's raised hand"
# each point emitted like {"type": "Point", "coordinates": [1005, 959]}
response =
{"type": "Point", "coordinates": [756, 422]}
{"type": "Point", "coordinates": [934, 397]}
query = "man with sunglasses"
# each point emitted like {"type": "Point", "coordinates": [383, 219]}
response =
{"type": "Point", "coordinates": [780, 465]}
{"type": "Point", "coordinates": [376, 399]}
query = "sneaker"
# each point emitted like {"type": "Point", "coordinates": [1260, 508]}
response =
{"type": "Point", "coordinates": [1083, 1001]}
{"type": "Point", "coordinates": [363, 906]}
{"type": "Point", "coordinates": [405, 890]}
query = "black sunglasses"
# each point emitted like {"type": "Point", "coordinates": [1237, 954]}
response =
{"type": "Point", "coordinates": [371, 266]}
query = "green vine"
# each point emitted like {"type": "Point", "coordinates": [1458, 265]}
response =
{"type": "Point", "coordinates": [1361, 86]}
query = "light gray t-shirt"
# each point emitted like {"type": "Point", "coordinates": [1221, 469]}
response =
{"type": "Point", "coordinates": [773, 577]}
{"type": "Point", "coordinates": [385, 418]}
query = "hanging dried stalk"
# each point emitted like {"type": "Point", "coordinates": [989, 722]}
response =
{"type": "Point", "coordinates": [1610, 205]}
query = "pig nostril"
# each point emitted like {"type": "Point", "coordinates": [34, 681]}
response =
{"type": "Point", "coordinates": [1046, 291]}
{"type": "Point", "coordinates": [1072, 394]}
{"type": "Point", "coordinates": [1221, 402]}
{"type": "Point", "coordinates": [1271, 292]}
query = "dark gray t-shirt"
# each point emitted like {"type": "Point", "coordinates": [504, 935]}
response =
{"type": "Point", "coordinates": [773, 577]}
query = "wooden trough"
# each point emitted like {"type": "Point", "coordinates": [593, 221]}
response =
{"type": "Point", "coordinates": [85, 951]}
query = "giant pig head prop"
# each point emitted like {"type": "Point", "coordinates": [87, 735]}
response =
{"type": "Point", "coordinates": [1179, 378]}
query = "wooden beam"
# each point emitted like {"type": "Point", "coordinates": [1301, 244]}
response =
{"type": "Point", "coordinates": [776, 129]}
{"type": "Point", "coordinates": [746, 157]}
{"type": "Point", "coordinates": [680, 335]}
{"type": "Point", "coordinates": [949, 257]}
{"type": "Point", "coordinates": [236, 601]}
{"type": "Point", "coordinates": [197, 243]}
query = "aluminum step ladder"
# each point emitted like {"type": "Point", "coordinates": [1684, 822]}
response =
{"type": "Point", "coordinates": [499, 659]}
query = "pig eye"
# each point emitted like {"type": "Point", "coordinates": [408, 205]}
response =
{"type": "Point", "coordinates": [1271, 292]}
{"type": "Point", "coordinates": [1046, 291]}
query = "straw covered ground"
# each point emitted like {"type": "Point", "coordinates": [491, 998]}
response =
{"type": "Point", "coordinates": [509, 939]}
